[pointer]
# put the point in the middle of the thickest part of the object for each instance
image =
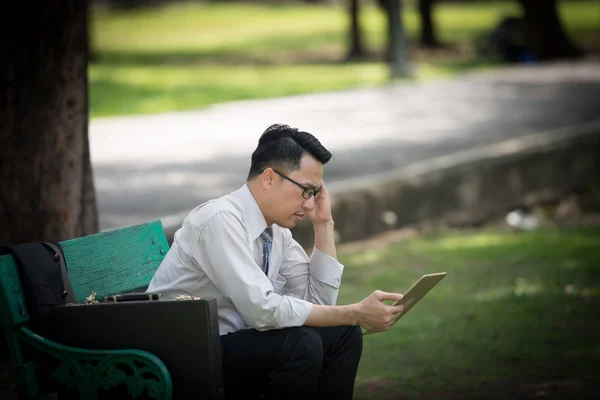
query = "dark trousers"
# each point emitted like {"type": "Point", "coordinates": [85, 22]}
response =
{"type": "Point", "coordinates": [291, 363]}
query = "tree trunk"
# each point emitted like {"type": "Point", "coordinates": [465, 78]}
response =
{"type": "Point", "coordinates": [385, 7]}
{"type": "Point", "coordinates": [546, 37]}
{"type": "Point", "coordinates": [356, 51]}
{"type": "Point", "coordinates": [47, 184]}
{"type": "Point", "coordinates": [428, 36]}
{"type": "Point", "coordinates": [396, 52]}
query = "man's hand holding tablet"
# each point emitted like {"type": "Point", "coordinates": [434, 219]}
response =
{"type": "Point", "coordinates": [415, 293]}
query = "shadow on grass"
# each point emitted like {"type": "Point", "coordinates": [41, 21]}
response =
{"type": "Point", "coordinates": [217, 57]}
{"type": "Point", "coordinates": [221, 57]}
{"type": "Point", "coordinates": [282, 51]}
{"type": "Point", "coordinates": [312, 49]}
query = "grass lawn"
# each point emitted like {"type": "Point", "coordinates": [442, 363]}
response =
{"type": "Point", "coordinates": [516, 317]}
{"type": "Point", "coordinates": [187, 56]}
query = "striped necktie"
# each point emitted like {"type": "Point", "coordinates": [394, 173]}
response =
{"type": "Point", "coordinates": [266, 235]}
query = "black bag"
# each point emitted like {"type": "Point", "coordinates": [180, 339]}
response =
{"type": "Point", "coordinates": [43, 274]}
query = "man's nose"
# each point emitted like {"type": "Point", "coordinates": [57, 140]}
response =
{"type": "Point", "coordinates": [309, 204]}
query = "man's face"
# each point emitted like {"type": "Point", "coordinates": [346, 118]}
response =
{"type": "Point", "coordinates": [287, 206]}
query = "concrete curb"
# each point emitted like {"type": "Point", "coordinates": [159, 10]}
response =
{"type": "Point", "coordinates": [466, 188]}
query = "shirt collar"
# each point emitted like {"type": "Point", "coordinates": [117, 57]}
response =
{"type": "Point", "coordinates": [254, 216]}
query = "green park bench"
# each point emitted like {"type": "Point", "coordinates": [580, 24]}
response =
{"type": "Point", "coordinates": [118, 261]}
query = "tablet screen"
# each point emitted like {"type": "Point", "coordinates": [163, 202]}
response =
{"type": "Point", "coordinates": [418, 290]}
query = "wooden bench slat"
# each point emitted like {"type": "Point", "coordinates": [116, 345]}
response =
{"type": "Point", "coordinates": [116, 261]}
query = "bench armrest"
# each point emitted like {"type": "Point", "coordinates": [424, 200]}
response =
{"type": "Point", "coordinates": [90, 370]}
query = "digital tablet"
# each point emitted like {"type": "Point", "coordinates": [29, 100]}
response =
{"type": "Point", "coordinates": [418, 290]}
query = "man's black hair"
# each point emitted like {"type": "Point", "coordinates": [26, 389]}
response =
{"type": "Point", "coordinates": [282, 147]}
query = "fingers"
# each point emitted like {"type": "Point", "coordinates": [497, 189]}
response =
{"type": "Point", "coordinates": [375, 328]}
{"type": "Point", "coordinates": [382, 296]}
{"type": "Point", "coordinates": [396, 315]}
{"type": "Point", "coordinates": [398, 308]}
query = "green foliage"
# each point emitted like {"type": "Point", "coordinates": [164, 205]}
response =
{"type": "Point", "coordinates": [517, 308]}
{"type": "Point", "coordinates": [191, 55]}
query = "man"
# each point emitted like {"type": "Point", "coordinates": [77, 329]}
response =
{"type": "Point", "coordinates": [282, 336]}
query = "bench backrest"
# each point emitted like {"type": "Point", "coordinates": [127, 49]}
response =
{"type": "Point", "coordinates": [116, 261]}
{"type": "Point", "coordinates": [111, 262]}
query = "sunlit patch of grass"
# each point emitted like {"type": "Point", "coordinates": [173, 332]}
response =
{"type": "Point", "coordinates": [494, 293]}
{"type": "Point", "coordinates": [150, 89]}
{"type": "Point", "coordinates": [367, 257]}
{"type": "Point", "coordinates": [469, 241]}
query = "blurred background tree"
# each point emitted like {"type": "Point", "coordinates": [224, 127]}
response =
{"type": "Point", "coordinates": [356, 43]}
{"type": "Point", "coordinates": [543, 30]}
{"type": "Point", "coordinates": [545, 35]}
{"type": "Point", "coordinates": [428, 37]}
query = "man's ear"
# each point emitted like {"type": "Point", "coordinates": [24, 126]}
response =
{"type": "Point", "coordinates": [267, 179]}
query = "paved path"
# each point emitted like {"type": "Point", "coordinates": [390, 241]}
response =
{"type": "Point", "coordinates": [161, 166]}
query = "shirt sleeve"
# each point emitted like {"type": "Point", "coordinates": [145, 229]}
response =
{"type": "Point", "coordinates": [315, 279]}
{"type": "Point", "coordinates": [223, 251]}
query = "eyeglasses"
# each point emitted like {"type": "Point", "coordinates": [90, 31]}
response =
{"type": "Point", "coordinates": [307, 192]}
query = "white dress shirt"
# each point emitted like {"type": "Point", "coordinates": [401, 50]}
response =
{"type": "Point", "coordinates": [218, 253]}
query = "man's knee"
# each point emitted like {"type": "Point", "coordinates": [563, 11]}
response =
{"type": "Point", "coordinates": [305, 342]}
{"type": "Point", "coordinates": [355, 338]}
{"type": "Point", "coordinates": [355, 333]}
{"type": "Point", "coordinates": [344, 341]}
{"type": "Point", "coordinates": [347, 335]}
